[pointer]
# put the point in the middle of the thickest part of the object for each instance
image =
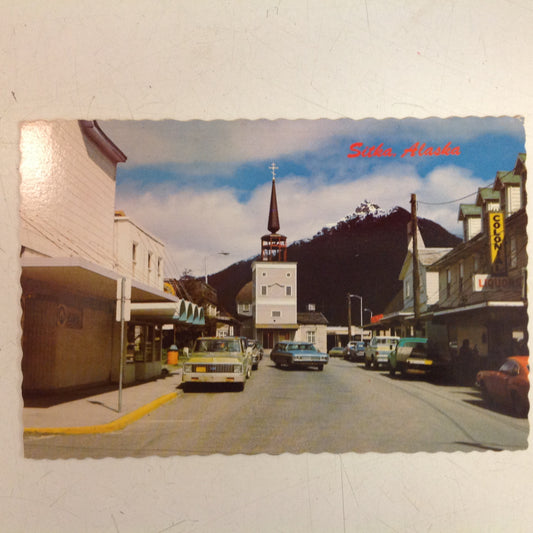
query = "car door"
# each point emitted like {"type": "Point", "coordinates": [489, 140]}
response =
{"type": "Point", "coordinates": [502, 385]}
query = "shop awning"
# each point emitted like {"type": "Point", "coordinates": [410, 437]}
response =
{"type": "Point", "coordinates": [183, 312]}
{"type": "Point", "coordinates": [276, 326]}
{"type": "Point", "coordinates": [79, 276]}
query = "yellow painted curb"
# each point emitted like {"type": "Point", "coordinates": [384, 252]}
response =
{"type": "Point", "coordinates": [120, 423]}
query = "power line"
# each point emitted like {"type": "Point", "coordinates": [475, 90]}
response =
{"type": "Point", "coordinates": [453, 201]}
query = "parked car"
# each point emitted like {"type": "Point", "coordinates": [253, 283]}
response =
{"type": "Point", "coordinates": [418, 355]}
{"type": "Point", "coordinates": [378, 349]}
{"type": "Point", "coordinates": [293, 353]}
{"type": "Point", "coordinates": [336, 351]}
{"type": "Point", "coordinates": [507, 387]}
{"type": "Point", "coordinates": [354, 350]}
{"type": "Point", "coordinates": [348, 350]}
{"type": "Point", "coordinates": [256, 352]}
{"type": "Point", "coordinates": [218, 360]}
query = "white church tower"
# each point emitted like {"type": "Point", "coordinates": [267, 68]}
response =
{"type": "Point", "coordinates": [274, 283]}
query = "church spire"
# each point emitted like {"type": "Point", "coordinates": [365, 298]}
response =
{"type": "Point", "coordinates": [273, 246]}
{"type": "Point", "coordinates": [273, 216]}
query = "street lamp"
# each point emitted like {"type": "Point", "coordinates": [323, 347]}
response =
{"type": "Point", "coordinates": [350, 296]}
{"type": "Point", "coordinates": [205, 262]}
{"type": "Point", "coordinates": [371, 313]}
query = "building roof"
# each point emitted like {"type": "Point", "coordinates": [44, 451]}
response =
{"type": "Point", "coordinates": [312, 317]}
{"type": "Point", "coordinates": [427, 256]}
{"type": "Point", "coordinates": [469, 210]}
{"type": "Point", "coordinates": [92, 129]}
{"type": "Point", "coordinates": [486, 194]}
{"type": "Point", "coordinates": [244, 296]}
{"type": "Point", "coordinates": [506, 178]}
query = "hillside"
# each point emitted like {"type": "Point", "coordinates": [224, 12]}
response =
{"type": "Point", "coordinates": [362, 254]}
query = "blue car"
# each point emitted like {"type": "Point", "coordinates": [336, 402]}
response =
{"type": "Point", "coordinates": [293, 353]}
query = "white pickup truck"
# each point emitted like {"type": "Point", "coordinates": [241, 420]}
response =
{"type": "Point", "coordinates": [378, 350]}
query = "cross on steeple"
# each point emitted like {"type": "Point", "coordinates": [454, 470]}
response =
{"type": "Point", "coordinates": [273, 167]}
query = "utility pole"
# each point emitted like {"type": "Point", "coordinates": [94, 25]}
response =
{"type": "Point", "coordinates": [349, 317]}
{"type": "Point", "coordinates": [416, 273]}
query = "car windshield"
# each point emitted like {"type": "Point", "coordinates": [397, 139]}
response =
{"type": "Point", "coordinates": [509, 367]}
{"type": "Point", "coordinates": [295, 346]}
{"type": "Point", "coordinates": [217, 345]}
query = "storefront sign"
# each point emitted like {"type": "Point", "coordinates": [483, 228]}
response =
{"type": "Point", "coordinates": [486, 282]}
{"type": "Point", "coordinates": [497, 234]}
{"type": "Point", "coordinates": [69, 317]}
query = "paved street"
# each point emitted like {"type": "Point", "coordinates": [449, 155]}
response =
{"type": "Point", "coordinates": [345, 408]}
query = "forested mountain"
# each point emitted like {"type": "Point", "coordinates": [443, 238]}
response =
{"type": "Point", "coordinates": [362, 255]}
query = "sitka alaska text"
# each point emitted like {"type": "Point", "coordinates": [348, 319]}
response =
{"type": "Point", "coordinates": [417, 149]}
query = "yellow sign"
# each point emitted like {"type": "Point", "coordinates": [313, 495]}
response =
{"type": "Point", "coordinates": [169, 288]}
{"type": "Point", "coordinates": [497, 235]}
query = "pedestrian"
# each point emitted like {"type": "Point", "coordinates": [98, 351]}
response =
{"type": "Point", "coordinates": [464, 362]}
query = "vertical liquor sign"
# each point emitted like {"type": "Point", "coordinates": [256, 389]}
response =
{"type": "Point", "coordinates": [497, 248]}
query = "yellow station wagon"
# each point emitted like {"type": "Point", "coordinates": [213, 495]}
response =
{"type": "Point", "coordinates": [218, 360]}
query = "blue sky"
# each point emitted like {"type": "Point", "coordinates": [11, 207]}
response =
{"type": "Point", "coordinates": [204, 186]}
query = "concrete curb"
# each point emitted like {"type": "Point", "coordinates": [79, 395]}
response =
{"type": "Point", "coordinates": [120, 423]}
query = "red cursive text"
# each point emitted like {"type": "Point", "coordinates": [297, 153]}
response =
{"type": "Point", "coordinates": [370, 151]}
{"type": "Point", "coordinates": [421, 150]}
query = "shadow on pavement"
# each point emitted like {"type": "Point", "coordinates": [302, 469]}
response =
{"type": "Point", "coordinates": [56, 398]}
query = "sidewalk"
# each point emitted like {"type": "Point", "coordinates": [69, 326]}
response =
{"type": "Point", "coordinates": [97, 412]}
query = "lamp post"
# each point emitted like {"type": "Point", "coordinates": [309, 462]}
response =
{"type": "Point", "coordinates": [205, 262]}
{"type": "Point", "coordinates": [350, 296]}
{"type": "Point", "coordinates": [371, 313]}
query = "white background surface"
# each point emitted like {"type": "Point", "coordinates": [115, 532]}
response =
{"type": "Point", "coordinates": [216, 59]}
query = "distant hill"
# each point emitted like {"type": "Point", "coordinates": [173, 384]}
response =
{"type": "Point", "coordinates": [362, 254]}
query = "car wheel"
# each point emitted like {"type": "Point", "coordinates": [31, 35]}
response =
{"type": "Point", "coordinates": [392, 370]}
{"type": "Point", "coordinates": [367, 363]}
{"type": "Point", "coordinates": [240, 386]}
{"type": "Point", "coordinates": [403, 369]}
{"type": "Point", "coordinates": [320, 367]}
{"type": "Point", "coordinates": [375, 364]}
{"type": "Point", "coordinates": [520, 407]}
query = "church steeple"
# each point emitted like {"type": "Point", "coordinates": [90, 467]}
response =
{"type": "Point", "coordinates": [273, 216]}
{"type": "Point", "coordinates": [273, 246]}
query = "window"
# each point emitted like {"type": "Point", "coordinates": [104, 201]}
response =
{"type": "Point", "coordinates": [134, 252]}
{"type": "Point", "coordinates": [448, 282]}
{"type": "Point", "coordinates": [461, 275]}
{"type": "Point", "coordinates": [160, 266]}
{"type": "Point", "coordinates": [475, 259]}
{"type": "Point", "coordinates": [513, 253]}
{"type": "Point", "coordinates": [276, 314]}
{"type": "Point", "coordinates": [263, 290]}
{"type": "Point", "coordinates": [288, 290]}
{"type": "Point", "coordinates": [311, 336]}
{"type": "Point", "coordinates": [150, 257]}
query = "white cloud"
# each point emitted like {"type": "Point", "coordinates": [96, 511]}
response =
{"type": "Point", "coordinates": [442, 191]}
{"type": "Point", "coordinates": [204, 143]}
{"type": "Point", "coordinates": [194, 224]}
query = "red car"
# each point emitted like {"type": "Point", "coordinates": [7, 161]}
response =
{"type": "Point", "coordinates": [509, 386]}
